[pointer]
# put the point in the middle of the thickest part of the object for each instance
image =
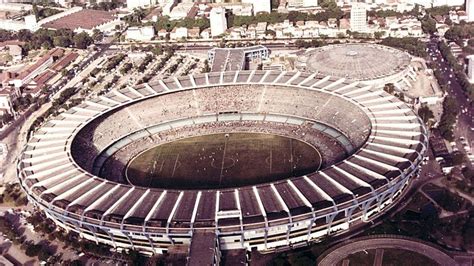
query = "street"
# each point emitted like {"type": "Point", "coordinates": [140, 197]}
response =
{"type": "Point", "coordinates": [465, 122]}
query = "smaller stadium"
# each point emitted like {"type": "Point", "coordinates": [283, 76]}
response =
{"type": "Point", "coordinates": [369, 63]}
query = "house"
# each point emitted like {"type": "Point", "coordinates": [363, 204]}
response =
{"type": "Point", "coordinates": [30, 72]}
{"type": "Point", "coordinates": [146, 33]}
{"type": "Point", "coordinates": [7, 96]}
{"type": "Point", "coordinates": [15, 52]}
{"type": "Point", "coordinates": [163, 34]}
{"type": "Point", "coordinates": [84, 20]}
{"type": "Point", "coordinates": [179, 33]}
{"type": "Point", "coordinates": [261, 28]}
{"type": "Point", "coordinates": [206, 34]}
{"type": "Point", "coordinates": [193, 33]}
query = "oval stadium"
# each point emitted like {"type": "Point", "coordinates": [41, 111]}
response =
{"type": "Point", "coordinates": [224, 160]}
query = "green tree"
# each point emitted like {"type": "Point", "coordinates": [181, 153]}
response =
{"type": "Point", "coordinates": [82, 40]}
{"type": "Point", "coordinates": [379, 34]}
{"type": "Point", "coordinates": [425, 113]}
{"type": "Point", "coordinates": [62, 41]}
{"type": "Point", "coordinates": [97, 35]}
{"type": "Point", "coordinates": [428, 24]}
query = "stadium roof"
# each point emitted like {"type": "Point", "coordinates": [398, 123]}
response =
{"type": "Point", "coordinates": [355, 61]}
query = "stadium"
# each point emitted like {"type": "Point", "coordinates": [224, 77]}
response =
{"type": "Point", "coordinates": [224, 160]}
{"type": "Point", "coordinates": [369, 63]}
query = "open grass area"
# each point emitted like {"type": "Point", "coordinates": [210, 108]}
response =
{"type": "Point", "coordinates": [222, 160]}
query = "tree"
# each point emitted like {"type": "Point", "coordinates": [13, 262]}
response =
{"type": "Point", "coordinates": [82, 40]}
{"type": "Point", "coordinates": [61, 41]}
{"type": "Point", "coordinates": [379, 34]}
{"type": "Point", "coordinates": [458, 158]}
{"type": "Point", "coordinates": [32, 250]}
{"type": "Point", "coordinates": [275, 4]}
{"type": "Point", "coordinates": [24, 35]}
{"type": "Point", "coordinates": [97, 35]}
{"type": "Point", "coordinates": [412, 45]}
{"type": "Point", "coordinates": [428, 24]}
{"type": "Point", "coordinates": [425, 113]}
{"type": "Point", "coordinates": [329, 4]}
{"type": "Point", "coordinates": [35, 11]}
{"type": "Point", "coordinates": [136, 17]}
{"type": "Point", "coordinates": [6, 118]}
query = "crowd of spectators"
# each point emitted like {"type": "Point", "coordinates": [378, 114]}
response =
{"type": "Point", "coordinates": [331, 150]}
{"type": "Point", "coordinates": [310, 105]}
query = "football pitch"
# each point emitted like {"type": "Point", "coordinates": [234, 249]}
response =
{"type": "Point", "coordinates": [221, 161]}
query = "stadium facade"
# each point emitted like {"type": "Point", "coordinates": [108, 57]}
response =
{"type": "Point", "coordinates": [384, 140]}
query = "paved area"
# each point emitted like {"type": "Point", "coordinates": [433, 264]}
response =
{"type": "Point", "coordinates": [402, 243]}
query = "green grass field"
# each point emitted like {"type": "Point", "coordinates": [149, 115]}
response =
{"type": "Point", "coordinates": [222, 160]}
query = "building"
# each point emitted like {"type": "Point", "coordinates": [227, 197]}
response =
{"type": "Point", "coordinates": [358, 17]}
{"type": "Point", "coordinates": [132, 4]}
{"type": "Point", "coordinates": [25, 23]}
{"type": "Point", "coordinates": [302, 3]}
{"type": "Point", "coordinates": [167, 6]}
{"type": "Point", "coordinates": [183, 10]}
{"type": "Point", "coordinates": [32, 78]}
{"type": "Point", "coordinates": [96, 19]}
{"type": "Point", "coordinates": [194, 33]}
{"type": "Point", "coordinates": [369, 63]}
{"type": "Point", "coordinates": [29, 73]}
{"type": "Point", "coordinates": [56, 170]}
{"type": "Point", "coordinates": [433, 3]}
{"type": "Point", "coordinates": [234, 59]}
{"type": "Point", "coordinates": [259, 5]}
{"type": "Point", "coordinates": [470, 68]}
{"type": "Point", "coordinates": [470, 10]}
{"type": "Point", "coordinates": [179, 33]}
{"type": "Point", "coordinates": [218, 21]}
{"type": "Point", "coordinates": [7, 96]}
{"type": "Point", "coordinates": [140, 33]}
{"type": "Point", "coordinates": [15, 52]}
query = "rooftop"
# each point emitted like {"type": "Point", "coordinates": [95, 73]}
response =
{"type": "Point", "coordinates": [355, 61]}
{"type": "Point", "coordinates": [77, 20]}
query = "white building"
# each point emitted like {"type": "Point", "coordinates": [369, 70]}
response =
{"type": "Point", "coordinates": [302, 3]}
{"type": "Point", "coordinates": [167, 6]}
{"type": "Point", "coordinates": [432, 3]}
{"type": "Point", "coordinates": [470, 10]}
{"type": "Point", "coordinates": [179, 33]}
{"type": "Point", "coordinates": [358, 17]}
{"type": "Point", "coordinates": [15, 52]}
{"type": "Point", "coordinates": [27, 23]}
{"type": "Point", "coordinates": [260, 5]}
{"type": "Point", "coordinates": [132, 4]}
{"type": "Point", "coordinates": [470, 68]}
{"type": "Point", "coordinates": [218, 21]}
{"type": "Point", "coordinates": [141, 33]}
{"type": "Point", "coordinates": [181, 11]}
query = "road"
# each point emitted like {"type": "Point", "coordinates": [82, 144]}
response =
{"type": "Point", "coordinates": [465, 120]}
{"type": "Point", "coordinates": [397, 242]}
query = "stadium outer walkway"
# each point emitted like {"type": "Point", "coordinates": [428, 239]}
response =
{"type": "Point", "coordinates": [339, 252]}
